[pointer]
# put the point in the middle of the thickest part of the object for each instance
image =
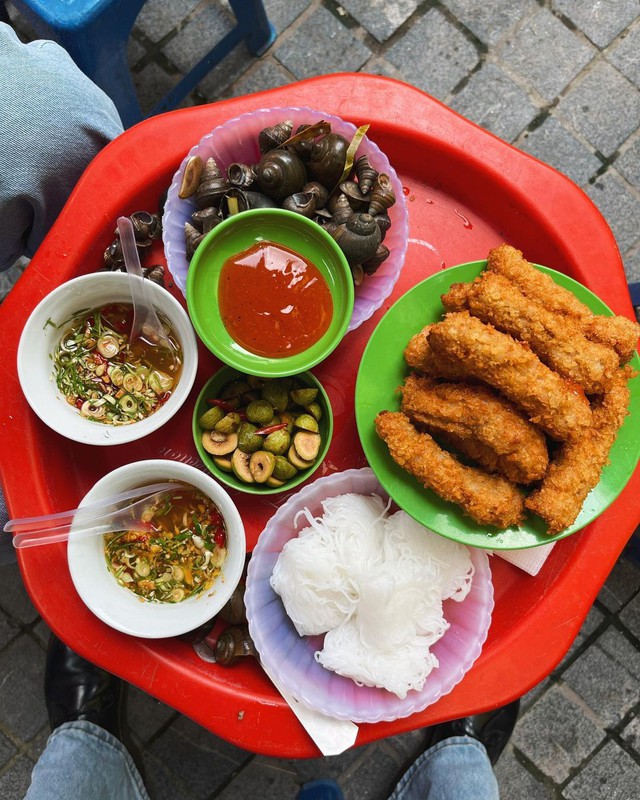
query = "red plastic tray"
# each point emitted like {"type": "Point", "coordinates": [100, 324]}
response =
{"type": "Point", "coordinates": [467, 191]}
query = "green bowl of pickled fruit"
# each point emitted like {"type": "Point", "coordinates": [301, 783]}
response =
{"type": "Point", "coordinates": [262, 435]}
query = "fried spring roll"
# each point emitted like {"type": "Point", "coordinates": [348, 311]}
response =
{"type": "Point", "coordinates": [488, 499]}
{"type": "Point", "coordinates": [577, 467]}
{"type": "Point", "coordinates": [482, 425]}
{"type": "Point", "coordinates": [617, 332]}
{"type": "Point", "coordinates": [556, 339]}
{"type": "Point", "coordinates": [510, 367]}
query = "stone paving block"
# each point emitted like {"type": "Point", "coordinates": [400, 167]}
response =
{"type": "Point", "coordinates": [9, 629]}
{"type": "Point", "coordinates": [491, 99]}
{"type": "Point", "coordinates": [621, 585]}
{"type": "Point", "coordinates": [145, 714]}
{"type": "Point", "coordinates": [604, 684]}
{"type": "Point", "coordinates": [334, 767]}
{"type": "Point", "coordinates": [22, 707]}
{"type": "Point", "coordinates": [162, 783]}
{"type": "Point", "coordinates": [625, 54]}
{"type": "Point", "coordinates": [628, 163]}
{"type": "Point", "coordinates": [135, 51]}
{"type": "Point", "coordinates": [616, 644]}
{"type": "Point", "coordinates": [556, 735]}
{"type": "Point", "coordinates": [14, 599]}
{"type": "Point", "coordinates": [42, 633]}
{"type": "Point", "coordinates": [600, 20]}
{"type": "Point", "coordinates": [632, 264]}
{"type": "Point", "coordinates": [321, 44]}
{"type": "Point", "coordinates": [631, 734]}
{"type": "Point", "coordinates": [157, 18]}
{"type": "Point", "coordinates": [621, 209]}
{"type": "Point", "coordinates": [152, 83]}
{"type": "Point", "coordinates": [282, 13]}
{"type": "Point", "coordinates": [515, 782]}
{"type": "Point", "coordinates": [433, 55]}
{"type": "Point", "coordinates": [217, 82]}
{"type": "Point", "coordinates": [373, 779]}
{"type": "Point", "coordinates": [201, 760]}
{"type": "Point", "coordinates": [199, 36]}
{"type": "Point", "coordinates": [264, 781]}
{"type": "Point", "coordinates": [594, 619]}
{"type": "Point", "coordinates": [603, 106]}
{"type": "Point", "coordinates": [7, 750]}
{"type": "Point", "coordinates": [15, 781]}
{"type": "Point", "coordinates": [610, 775]}
{"type": "Point", "coordinates": [490, 22]}
{"type": "Point", "coordinates": [406, 745]}
{"type": "Point", "coordinates": [267, 75]}
{"type": "Point", "coordinates": [553, 144]}
{"type": "Point", "coordinates": [546, 53]}
{"type": "Point", "coordinates": [380, 17]}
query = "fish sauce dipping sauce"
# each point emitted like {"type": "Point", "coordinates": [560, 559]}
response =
{"type": "Point", "coordinates": [106, 376]}
{"type": "Point", "coordinates": [273, 301]}
{"type": "Point", "coordinates": [270, 292]}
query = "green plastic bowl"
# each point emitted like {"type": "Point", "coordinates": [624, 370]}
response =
{"type": "Point", "coordinates": [212, 389]}
{"type": "Point", "coordinates": [238, 233]}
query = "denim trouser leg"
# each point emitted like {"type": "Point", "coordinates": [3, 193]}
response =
{"type": "Point", "coordinates": [454, 769]}
{"type": "Point", "coordinates": [84, 761]}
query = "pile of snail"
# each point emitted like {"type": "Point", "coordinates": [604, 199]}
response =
{"type": "Point", "coordinates": [147, 228]}
{"type": "Point", "coordinates": [312, 172]}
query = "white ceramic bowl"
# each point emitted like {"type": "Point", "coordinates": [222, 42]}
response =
{"type": "Point", "coordinates": [119, 607]}
{"type": "Point", "coordinates": [237, 140]}
{"type": "Point", "coordinates": [40, 338]}
{"type": "Point", "coordinates": [290, 657]}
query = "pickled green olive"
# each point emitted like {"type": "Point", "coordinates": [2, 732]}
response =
{"type": "Point", "coordinates": [229, 423]}
{"type": "Point", "coordinates": [307, 423]}
{"type": "Point", "coordinates": [278, 442]}
{"type": "Point", "coordinates": [275, 392]}
{"type": "Point", "coordinates": [303, 397]}
{"type": "Point", "coordinates": [248, 441]}
{"type": "Point", "coordinates": [260, 412]}
{"type": "Point", "coordinates": [210, 418]}
{"type": "Point", "coordinates": [283, 469]}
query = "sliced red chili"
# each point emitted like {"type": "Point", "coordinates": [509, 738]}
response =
{"type": "Point", "coordinates": [270, 429]}
{"type": "Point", "coordinates": [215, 401]}
{"type": "Point", "coordinates": [219, 538]}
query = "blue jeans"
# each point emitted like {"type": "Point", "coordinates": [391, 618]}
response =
{"type": "Point", "coordinates": [53, 122]}
{"type": "Point", "coordinates": [81, 760]}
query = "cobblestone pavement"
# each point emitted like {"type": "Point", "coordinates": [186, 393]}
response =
{"type": "Point", "coordinates": [557, 78]}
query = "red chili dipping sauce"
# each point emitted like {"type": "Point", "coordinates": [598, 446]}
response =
{"type": "Point", "coordinates": [273, 302]}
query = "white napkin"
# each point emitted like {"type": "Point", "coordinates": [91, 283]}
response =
{"type": "Point", "coordinates": [531, 559]}
{"type": "Point", "coordinates": [333, 736]}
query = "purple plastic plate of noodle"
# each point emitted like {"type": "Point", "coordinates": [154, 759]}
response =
{"type": "Point", "coordinates": [237, 141]}
{"type": "Point", "coordinates": [290, 657]}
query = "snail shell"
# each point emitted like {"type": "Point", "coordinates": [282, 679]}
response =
{"type": "Point", "coordinates": [358, 238]}
{"type": "Point", "coordinates": [320, 191]}
{"type": "Point", "coordinates": [192, 238]}
{"type": "Point", "coordinates": [302, 203]}
{"type": "Point", "coordinates": [357, 273]}
{"type": "Point", "coordinates": [233, 611]}
{"type": "Point", "coordinates": [351, 190]}
{"type": "Point", "coordinates": [383, 222]}
{"type": "Point", "coordinates": [274, 136]}
{"type": "Point", "coordinates": [206, 219]}
{"type": "Point", "coordinates": [365, 173]}
{"type": "Point", "coordinates": [212, 185]}
{"type": "Point", "coordinates": [382, 194]}
{"type": "Point", "coordinates": [241, 175]}
{"type": "Point", "coordinates": [280, 173]}
{"type": "Point", "coordinates": [342, 214]}
{"type": "Point", "coordinates": [339, 201]}
{"type": "Point", "coordinates": [234, 643]}
{"type": "Point", "coordinates": [191, 177]}
{"type": "Point", "coordinates": [146, 226]}
{"type": "Point", "coordinates": [245, 198]}
{"type": "Point", "coordinates": [113, 258]}
{"type": "Point", "coordinates": [328, 158]}
{"type": "Point", "coordinates": [303, 147]}
{"type": "Point", "coordinates": [371, 264]}
{"type": "Point", "coordinates": [154, 273]}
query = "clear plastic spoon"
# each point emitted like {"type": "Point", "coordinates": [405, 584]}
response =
{"type": "Point", "coordinates": [145, 320]}
{"type": "Point", "coordinates": [91, 520]}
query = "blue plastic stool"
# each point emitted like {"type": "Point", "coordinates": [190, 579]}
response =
{"type": "Point", "coordinates": [322, 789]}
{"type": "Point", "coordinates": [95, 34]}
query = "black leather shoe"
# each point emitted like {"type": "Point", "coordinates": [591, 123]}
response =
{"type": "Point", "coordinates": [493, 729]}
{"type": "Point", "coordinates": [76, 689]}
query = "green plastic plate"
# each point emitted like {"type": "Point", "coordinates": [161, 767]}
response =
{"type": "Point", "coordinates": [383, 369]}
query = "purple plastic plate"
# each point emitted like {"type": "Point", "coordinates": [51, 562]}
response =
{"type": "Point", "coordinates": [237, 140]}
{"type": "Point", "coordinates": [290, 657]}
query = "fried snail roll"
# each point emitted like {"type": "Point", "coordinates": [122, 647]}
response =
{"type": "Point", "coordinates": [420, 356]}
{"type": "Point", "coordinates": [495, 358]}
{"type": "Point", "coordinates": [557, 340]}
{"type": "Point", "coordinates": [617, 332]}
{"type": "Point", "coordinates": [480, 424]}
{"type": "Point", "coordinates": [576, 469]}
{"type": "Point", "coordinates": [488, 499]}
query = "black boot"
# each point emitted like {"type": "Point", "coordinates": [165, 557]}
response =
{"type": "Point", "coordinates": [75, 689]}
{"type": "Point", "coordinates": [493, 729]}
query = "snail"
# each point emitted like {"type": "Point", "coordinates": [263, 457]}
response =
{"type": "Point", "coordinates": [358, 238]}
{"type": "Point", "coordinates": [154, 273]}
{"type": "Point", "coordinates": [206, 219]}
{"type": "Point", "coordinates": [382, 195]}
{"type": "Point", "coordinates": [274, 136]}
{"type": "Point", "coordinates": [351, 190]}
{"type": "Point", "coordinates": [191, 177]}
{"type": "Point", "coordinates": [233, 610]}
{"type": "Point", "coordinates": [192, 237]}
{"type": "Point", "coordinates": [236, 200]}
{"type": "Point", "coordinates": [280, 173]}
{"type": "Point", "coordinates": [302, 203]}
{"type": "Point", "coordinates": [321, 192]}
{"type": "Point", "coordinates": [234, 643]}
{"type": "Point", "coordinates": [371, 264]}
{"type": "Point", "coordinates": [241, 175]}
{"type": "Point", "coordinates": [328, 158]}
{"type": "Point", "coordinates": [212, 185]}
{"type": "Point", "coordinates": [365, 173]}
{"type": "Point", "coordinates": [383, 222]}
{"type": "Point", "coordinates": [146, 226]}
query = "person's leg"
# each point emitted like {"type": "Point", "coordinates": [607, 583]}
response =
{"type": "Point", "coordinates": [54, 121]}
{"type": "Point", "coordinates": [82, 760]}
{"type": "Point", "coordinates": [454, 769]}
